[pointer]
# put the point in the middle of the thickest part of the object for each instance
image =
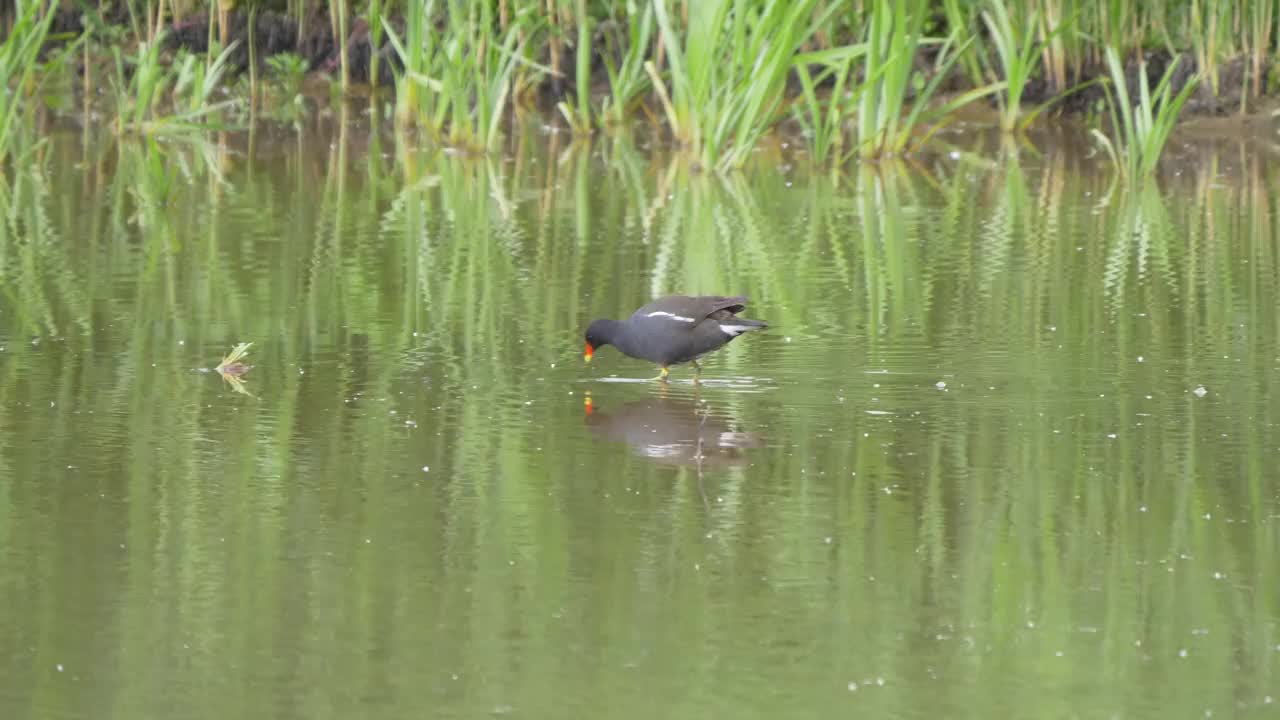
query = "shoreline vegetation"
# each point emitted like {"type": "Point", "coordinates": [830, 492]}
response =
{"type": "Point", "coordinates": [854, 79]}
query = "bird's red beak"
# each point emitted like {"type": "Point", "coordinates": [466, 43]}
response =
{"type": "Point", "coordinates": [586, 354]}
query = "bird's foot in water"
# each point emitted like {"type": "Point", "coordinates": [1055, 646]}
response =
{"type": "Point", "coordinates": [662, 375]}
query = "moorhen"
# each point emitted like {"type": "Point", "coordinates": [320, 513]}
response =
{"type": "Point", "coordinates": [673, 329]}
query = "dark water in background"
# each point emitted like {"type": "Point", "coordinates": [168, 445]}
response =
{"type": "Point", "coordinates": [1009, 450]}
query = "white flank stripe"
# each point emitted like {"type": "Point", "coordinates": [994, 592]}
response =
{"type": "Point", "coordinates": [673, 316]}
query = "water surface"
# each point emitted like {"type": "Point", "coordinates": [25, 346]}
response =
{"type": "Point", "coordinates": [1008, 451]}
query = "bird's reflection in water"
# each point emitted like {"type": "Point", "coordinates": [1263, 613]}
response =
{"type": "Point", "coordinates": [675, 429]}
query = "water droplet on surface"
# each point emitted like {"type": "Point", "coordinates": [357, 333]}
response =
{"type": "Point", "coordinates": [1200, 391]}
{"type": "Point", "coordinates": [853, 687]}
{"type": "Point", "coordinates": [940, 385]}
{"type": "Point", "coordinates": [426, 468]}
{"type": "Point", "coordinates": [59, 666]}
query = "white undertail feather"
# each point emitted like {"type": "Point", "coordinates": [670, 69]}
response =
{"type": "Point", "coordinates": [736, 330]}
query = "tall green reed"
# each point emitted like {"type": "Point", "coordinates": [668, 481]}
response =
{"type": "Point", "coordinates": [624, 58]}
{"type": "Point", "coordinates": [19, 56]}
{"type": "Point", "coordinates": [894, 39]}
{"type": "Point", "coordinates": [1019, 57]}
{"type": "Point", "coordinates": [465, 80]}
{"type": "Point", "coordinates": [152, 96]}
{"type": "Point", "coordinates": [1144, 128]}
{"type": "Point", "coordinates": [726, 80]}
{"type": "Point", "coordinates": [578, 115]}
{"type": "Point", "coordinates": [824, 119]}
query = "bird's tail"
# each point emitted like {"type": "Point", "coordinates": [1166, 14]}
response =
{"type": "Point", "coordinates": [738, 325]}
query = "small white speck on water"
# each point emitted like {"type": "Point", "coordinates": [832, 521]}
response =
{"type": "Point", "coordinates": [1266, 700]}
{"type": "Point", "coordinates": [1111, 435]}
{"type": "Point", "coordinates": [955, 154]}
{"type": "Point", "coordinates": [940, 385]}
{"type": "Point", "coordinates": [1208, 516]}
{"type": "Point", "coordinates": [880, 681]}
{"type": "Point", "coordinates": [1219, 576]}
{"type": "Point", "coordinates": [1200, 391]}
{"type": "Point", "coordinates": [1053, 328]}
{"type": "Point", "coordinates": [787, 339]}
{"type": "Point", "coordinates": [59, 666]}
{"type": "Point", "coordinates": [1140, 358]}
{"type": "Point", "coordinates": [1031, 624]}
{"type": "Point", "coordinates": [553, 364]}
{"type": "Point", "coordinates": [1182, 653]}
{"type": "Point", "coordinates": [454, 676]}
{"type": "Point", "coordinates": [410, 423]}
{"type": "Point", "coordinates": [1142, 508]}
{"type": "Point", "coordinates": [182, 342]}
{"type": "Point", "coordinates": [853, 686]}
{"type": "Point", "coordinates": [1059, 653]}
{"type": "Point", "coordinates": [426, 468]}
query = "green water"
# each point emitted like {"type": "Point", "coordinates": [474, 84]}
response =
{"type": "Point", "coordinates": [1009, 449]}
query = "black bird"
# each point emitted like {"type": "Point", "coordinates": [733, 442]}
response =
{"type": "Point", "coordinates": [673, 329]}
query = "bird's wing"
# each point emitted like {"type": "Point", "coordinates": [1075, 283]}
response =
{"type": "Point", "coordinates": [690, 309]}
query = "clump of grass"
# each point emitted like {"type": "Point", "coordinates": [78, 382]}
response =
{"type": "Point", "coordinates": [894, 38]}
{"type": "Point", "coordinates": [1019, 58]}
{"type": "Point", "coordinates": [627, 75]}
{"type": "Point", "coordinates": [1144, 129]}
{"type": "Point", "coordinates": [288, 70]}
{"type": "Point", "coordinates": [579, 115]}
{"type": "Point", "coordinates": [464, 81]}
{"type": "Point", "coordinates": [824, 123]}
{"type": "Point", "coordinates": [19, 55]}
{"type": "Point", "coordinates": [153, 97]}
{"type": "Point", "coordinates": [728, 76]}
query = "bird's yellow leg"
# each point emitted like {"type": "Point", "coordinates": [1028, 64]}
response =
{"type": "Point", "coordinates": [662, 375]}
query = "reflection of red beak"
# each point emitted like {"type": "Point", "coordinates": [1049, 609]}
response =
{"type": "Point", "coordinates": [586, 405]}
{"type": "Point", "coordinates": [586, 354]}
